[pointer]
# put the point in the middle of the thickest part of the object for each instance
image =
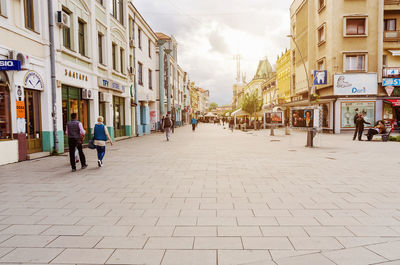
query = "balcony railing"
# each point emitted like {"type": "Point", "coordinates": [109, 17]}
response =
{"type": "Point", "coordinates": [392, 2]}
{"type": "Point", "coordinates": [391, 35]}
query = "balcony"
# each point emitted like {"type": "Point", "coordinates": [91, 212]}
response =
{"type": "Point", "coordinates": [391, 35]}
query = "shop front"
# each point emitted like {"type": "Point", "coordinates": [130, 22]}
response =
{"type": "Point", "coordinates": [119, 116]}
{"type": "Point", "coordinates": [75, 101]}
{"type": "Point", "coordinates": [391, 112]}
{"type": "Point", "coordinates": [8, 146]}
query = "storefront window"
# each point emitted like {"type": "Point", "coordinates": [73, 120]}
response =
{"type": "Point", "coordinates": [325, 116]}
{"type": "Point", "coordinates": [119, 116]}
{"type": "Point", "coordinates": [349, 110]}
{"type": "Point", "coordinates": [5, 119]}
{"type": "Point", "coordinates": [387, 111]}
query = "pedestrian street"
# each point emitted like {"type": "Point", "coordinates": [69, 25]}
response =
{"type": "Point", "coordinates": [209, 197]}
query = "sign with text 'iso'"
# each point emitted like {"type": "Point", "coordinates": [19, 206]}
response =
{"type": "Point", "coordinates": [320, 77]}
{"type": "Point", "coordinates": [10, 65]}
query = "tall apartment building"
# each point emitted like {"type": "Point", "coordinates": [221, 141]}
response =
{"type": "Point", "coordinates": [356, 42]}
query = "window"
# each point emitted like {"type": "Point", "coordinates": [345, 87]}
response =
{"type": "Point", "coordinates": [5, 119]}
{"type": "Point", "coordinates": [384, 60]}
{"type": "Point", "coordinates": [3, 8]}
{"type": "Point", "coordinates": [321, 64]}
{"type": "Point", "coordinates": [150, 79]}
{"type": "Point", "coordinates": [100, 42]}
{"type": "Point", "coordinates": [121, 60]}
{"type": "Point", "coordinates": [356, 26]}
{"type": "Point", "coordinates": [321, 4]}
{"type": "Point", "coordinates": [140, 38]}
{"type": "Point", "coordinates": [321, 34]}
{"type": "Point", "coordinates": [29, 14]}
{"type": "Point", "coordinates": [114, 56]}
{"type": "Point", "coordinates": [81, 37]}
{"type": "Point", "coordinates": [118, 10]}
{"type": "Point", "coordinates": [149, 48]}
{"type": "Point", "coordinates": [67, 33]}
{"type": "Point", "coordinates": [355, 62]}
{"type": "Point", "coordinates": [140, 74]}
{"type": "Point", "coordinates": [131, 29]}
{"type": "Point", "coordinates": [100, 2]}
{"type": "Point", "coordinates": [390, 24]}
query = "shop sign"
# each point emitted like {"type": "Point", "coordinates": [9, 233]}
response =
{"type": "Point", "coordinates": [395, 102]}
{"type": "Point", "coordinates": [20, 109]}
{"type": "Point", "coordinates": [75, 75]}
{"type": "Point", "coordinates": [391, 82]}
{"type": "Point", "coordinates": [389, 90]}
{"type": "Point", "coordinates": [33, 80]}
{"type": "Point", "coordinates": [104, 83]}
{"type": "Point", "coordinates": [10, 65]}
{"type": "Point", "coordinates": [355, 84]}
{"type": "Point", "coordinates": [349, 110]}
{"type": "Point", "coordinates": [274, 117]}
{"type": "Point", "coordinates": [320, 77]}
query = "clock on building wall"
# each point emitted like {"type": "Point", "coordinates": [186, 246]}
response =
{"type": "Point", "coordinates": [33, 80]}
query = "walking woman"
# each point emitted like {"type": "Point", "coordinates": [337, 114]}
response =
{"type": "Point", "coordinates": [100, 139]}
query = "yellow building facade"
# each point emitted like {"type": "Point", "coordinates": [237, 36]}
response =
{"type": "Point", "coordinates": [283, 77]}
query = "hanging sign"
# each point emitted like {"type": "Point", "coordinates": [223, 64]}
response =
{"type": "Point", "coordinates": [20, 110]}
{"type": "Point", "coordinates": [10, 65]}
{"type": "Point", "coordinates": [389, 90]}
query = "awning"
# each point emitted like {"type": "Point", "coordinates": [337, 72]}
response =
{"type": "Point", "coordinates": [239, 113]}
{"type": "Point", "coordinates": [395, 52]}
{"type": "Point", "coordinates": [394, 102]}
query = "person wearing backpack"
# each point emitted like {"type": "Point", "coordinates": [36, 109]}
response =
{"type": "Point", "coordinates": [167, 126]}
{"type": "Point", "coordinates": [100, 138]}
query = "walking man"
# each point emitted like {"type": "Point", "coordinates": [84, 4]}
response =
{"type": "Point", "coordinates": [75, 133]}
{"type": "Point", "coordinates": [173, 124]}
{"type": "Point", "coordinates": [194, 121]}
{"type": "Point", "coordinates": [167, 126]}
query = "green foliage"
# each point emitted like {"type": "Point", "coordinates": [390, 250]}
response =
{"type": "Point", "coordinates": [213, 105]}
{"type": "Point", "coordinates": [251, 103]}
{"type": "Point", "coordinates": [394, 138]}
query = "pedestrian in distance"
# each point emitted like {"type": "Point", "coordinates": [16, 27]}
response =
{"type": "Point", "coordinates": [231, 124]}
{"type": "Point", "coordinates": [173, 124]}
{"type": "Point", "coordinates": [194, 122]}
{"type": "Point", "coordinates": [359, 127]}
{"type": "Point", "coordinates": [162, 124]}
{"type": "Point", "coordinates": [100, 138]}
{"type": "Point", "coordinates": [75, 133]}
{"type": "Point", "coordinates": [167, 126]}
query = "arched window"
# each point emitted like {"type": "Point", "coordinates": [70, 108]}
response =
{"type": "Point", "coordinates": [5, 115]}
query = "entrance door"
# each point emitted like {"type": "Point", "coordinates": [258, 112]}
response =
{"type": "Point", "coordinates": [33, 121]}
{"type": "Point", "coordinates": [119, 116]}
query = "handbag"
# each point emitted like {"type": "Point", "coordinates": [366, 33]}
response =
{"type": "Point", "coordinates": [91, 144]}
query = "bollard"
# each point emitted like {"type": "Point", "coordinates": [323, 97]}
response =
{"type": "Point", "coordinates": [287, 131]}
{"type": "Point", "coordinates": [310, 137]}
{"type": "Point", "coordinates": [272, 133]}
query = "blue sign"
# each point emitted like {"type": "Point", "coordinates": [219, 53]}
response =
{"type": "Point", "coordinates": [391, 82]}
{"type": "Point", "coordinates": [10, 65]}
{"type": "Point", "coordinates": [320, 77]}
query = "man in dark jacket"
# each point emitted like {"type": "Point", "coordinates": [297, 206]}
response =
{"type": "Point", "coordinates": [75, 133]}
{"type": "Point", "coordinates": [359, 126]}
{"type": "Point", "coordinates": [167, 126]}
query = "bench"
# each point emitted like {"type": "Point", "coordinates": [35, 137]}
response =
{"type": "Point", "coordinates": [385, 135]}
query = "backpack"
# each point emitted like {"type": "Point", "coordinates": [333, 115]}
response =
{"type": "Point", "coordinates": [167, 122]}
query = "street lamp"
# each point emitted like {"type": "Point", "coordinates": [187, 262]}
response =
{"type": "Point", "coordinates": [310, 131]}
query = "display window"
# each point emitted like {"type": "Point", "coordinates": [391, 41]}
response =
{"type": "Point", "coordinates": [349, 110]}
{"type": "Point", "coordinates": [119, 116]}
{"type": "Point", "coordinates": [5, 110]}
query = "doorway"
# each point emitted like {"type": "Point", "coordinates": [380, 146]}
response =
{"type": "Point", "coordinates": [119, 116]}
{"type": "Point", "coordinates": [33, 121]}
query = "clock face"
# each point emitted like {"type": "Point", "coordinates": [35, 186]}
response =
{"type": "Point", "coordinates": [33, 81]}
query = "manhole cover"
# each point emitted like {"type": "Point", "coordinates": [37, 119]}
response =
{"type": "Point", "coordinates": [331, 158]}
{"type": "Point", "coordinates": [292, 150]}
{"type": "Point", "coordinates": [275, 140]}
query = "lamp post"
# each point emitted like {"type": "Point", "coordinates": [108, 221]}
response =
{"type": "Point", "coordinates": [310, 131]}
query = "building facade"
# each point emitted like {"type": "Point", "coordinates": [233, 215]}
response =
{"type": "Point", "coordinates": [355, 42]}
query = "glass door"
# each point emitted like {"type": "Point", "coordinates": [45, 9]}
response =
{"type": "Point", "coordinates": [33, 121]}
{"type": "Point", "coordinates": [119, 116]}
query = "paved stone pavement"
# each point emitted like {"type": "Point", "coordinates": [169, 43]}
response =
{"type": "Point", "coordinates": [206, 198]}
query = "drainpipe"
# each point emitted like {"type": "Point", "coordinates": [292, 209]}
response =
{"type": "Point", "coordinates": [53, 74]}
{"type": "Point", "coordinates": [135, 84]}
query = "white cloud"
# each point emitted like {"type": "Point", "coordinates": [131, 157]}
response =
{"type": "Point", "coordinates": [211, 32]}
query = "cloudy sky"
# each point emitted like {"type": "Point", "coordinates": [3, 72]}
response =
{"type": "Point", "coordinates": [211, 32]}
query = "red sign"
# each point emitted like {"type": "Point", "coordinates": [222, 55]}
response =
{"type": "Point", "coordinates": [20, 110]}
{"type": "Point", "coordinates": [395, 102]}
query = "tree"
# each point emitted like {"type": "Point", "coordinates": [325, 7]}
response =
{"type": "Point", "coordinates": [252, 104]}
{"type": "Point", "coordinates": [213, 106]}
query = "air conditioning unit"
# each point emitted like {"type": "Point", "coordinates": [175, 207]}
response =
{"type": "Point", "coordinates": [104, 97]}
{"type": "Point", "coordinates": [87, 94]}
{"type": "Point", "coordinates": [23, 58]}
{"type": "Point", "coordinates": [132, 43]}
{"type": "Point", "coordinates": [63, 19]}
